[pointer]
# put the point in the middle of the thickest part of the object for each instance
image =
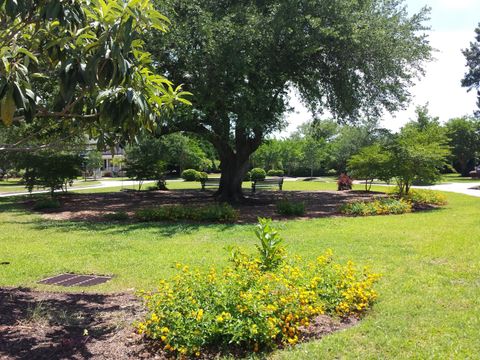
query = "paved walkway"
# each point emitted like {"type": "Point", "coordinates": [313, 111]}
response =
{"type": "Point", "coordinates": [103, 184]}
{"type": "Point", "coordinates": [461, 188]}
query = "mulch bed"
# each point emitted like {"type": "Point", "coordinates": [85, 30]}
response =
{"type": "Point", "coordinates": [94, 207]}
{"type": "Point", "coordinates": [47, 325]}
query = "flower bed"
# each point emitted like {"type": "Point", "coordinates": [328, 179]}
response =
{"type": "Point", "coordinates": [256, 303]}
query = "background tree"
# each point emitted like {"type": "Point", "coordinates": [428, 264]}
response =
{"type": "Point", "coordinates": [370, 163]}
{"type": "Point", "coordinates": [472, 77]}
{"type": "Point", "coordinates": [418, 153]}
{"type": "Point", "coordinates": [145, 160]}
{"type": "Point", "coordinates": [183, 152]}
{"type": "Point", "coordinates": [241, 59]}
{"type": "Point", "coordinates": [50, 170]}
{"type": "Point", "coordinates": [464, 139]}
{"type": "Point", "coordinates": [93, 162]}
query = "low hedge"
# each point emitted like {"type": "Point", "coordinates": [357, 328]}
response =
{"type": "Point", "coordinates": [290, 208]}
{"type": "Point", "coordinates": [275, 172]}
{"type": "Point", "coordinates": [210, 213]}
{"type": "Point", "coordinates": [46, 204]}
{"type": "Point", "coordinates": [257, 174]}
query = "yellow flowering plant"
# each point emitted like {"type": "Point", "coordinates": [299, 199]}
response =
{"type": "Point", "coordinates": [251, 307]}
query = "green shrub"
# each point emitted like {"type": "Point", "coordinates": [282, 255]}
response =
{"type": "Point", "coordinates": [257, 174]}
{"type": "Point", "coordinates": [117, 216]}
{"type": "Point", "coordinates": [382, 206]}
{"type": "Point", "coordinates": [277, 172]}
{"type": "Point", "coordinates": [290, 208]}
{"type": "Point", "coordinates": [201, 176]}
{"type": "Point", "coordinates": [46, 204]}
{"type": "Point", "coordinates": [248, 176]}
{"type": "Point", "coordinates": [189, 174]}
{"type": "Point", "coordinates": [425, 197]}
{"type": "Point", "coordinates": [252, 307]}
{"type": "Point", "coordinates": [209, 213]}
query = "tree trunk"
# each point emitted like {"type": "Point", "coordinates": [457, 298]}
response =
{"type": "Point", "coordinates": [234, 167]}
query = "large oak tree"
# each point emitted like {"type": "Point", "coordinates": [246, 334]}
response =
{"type": "Point", "coordinates": [241, 58]}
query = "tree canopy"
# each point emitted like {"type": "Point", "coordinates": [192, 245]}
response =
{"type": "Point", "coordinates": [242, 58]}
{"type": "Point", "coordinates": [82, 62]}
{"type": "Point", "coordinates": [472, 77]}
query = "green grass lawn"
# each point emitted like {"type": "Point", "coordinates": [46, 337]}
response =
{"type": "Point", "coordinates": [429, 303]}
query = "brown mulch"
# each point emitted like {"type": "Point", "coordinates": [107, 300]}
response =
{"type": "Point", "coordinates": [93, 207]}
{"type": "Point", "coordinates": [47, 325]}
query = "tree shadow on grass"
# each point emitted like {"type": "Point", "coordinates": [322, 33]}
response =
{"type": "Point", "coordinates": [166, 229]}
{"type": "Point", "coordinates": [35, 325]}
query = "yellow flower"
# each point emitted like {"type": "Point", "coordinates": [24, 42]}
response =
{"type": "Point", "coordinates": [199, 314]}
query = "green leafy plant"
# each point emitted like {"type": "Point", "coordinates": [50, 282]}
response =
{"type": "Point", "coordinates": [224, 213]}
{"type": "Point", "coordinates": [46, 204]}
{"type": "Point", "coordinates": [257, 174]}
{"type": "Point", "coordinates": [190, 175]}
{"type": "Point", "coordinates": [290, 208]}
{"type": "Point", "coordinates": [117, 216]}
{"type": "Point", "coordinates": [270, 248]}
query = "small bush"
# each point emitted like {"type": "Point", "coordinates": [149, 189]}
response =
{"type": "Point", "coordinates": [189, 174]}
{"type": "Point", "coordinates": [383, 206]}
{"type": "Point", "coordinates": [274, 172]}
{"type": "Point", "coordinates": [201, 176]}
{"type": "Point", "coordinates": [331, 172]}
{"type": "Point", "coordinates": [251, 306]}
{"type": "Point", "coordinates": [290, 208]}
{"type": "Point", "coordinates": [210, 213]}
{"type": "Point", "coordinates": [257, 174]}
{"type": "Point", "coordinates": [425, 197]}
{"type": "Point", "coordinates": [117, 216]}
{"type": "Point", "coordinates": [247, 176]}
{"type": "Point", "coordinates": [46, 204]}
{"type": "Point", "coordinates": [344, 182]}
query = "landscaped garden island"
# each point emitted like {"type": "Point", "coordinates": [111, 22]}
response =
{"type": "Point", "coordinates": [156, 203]}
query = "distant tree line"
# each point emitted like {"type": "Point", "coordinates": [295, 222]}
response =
{"type": "Point", "coordinates": [324, 147]}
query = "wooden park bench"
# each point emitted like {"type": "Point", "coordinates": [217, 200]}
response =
{"type": "Point", "coordinates": [267, 184]}
{"type": "Point", "coordinates": [210, 183]}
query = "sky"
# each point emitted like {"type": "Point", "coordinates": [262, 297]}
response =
{"type": "Point", "coordinates": [452, 25]}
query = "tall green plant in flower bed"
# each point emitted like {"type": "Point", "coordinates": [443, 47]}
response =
{"type": "Point", "coordinates": [213, 213]}
{"type": "Point", "coordinates": [252, 305]}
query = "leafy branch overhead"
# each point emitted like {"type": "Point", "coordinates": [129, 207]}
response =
{"type": "Point", "coordinates": [82, 60]}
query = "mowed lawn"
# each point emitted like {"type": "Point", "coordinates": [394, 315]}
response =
{"type": "Point", "coordinates": [429, 296]}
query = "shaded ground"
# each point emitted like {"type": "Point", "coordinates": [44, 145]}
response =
{"type": "Point", "coordinates": [93, 207]}
{"type": "Point", "coordinates": [40, 325]}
